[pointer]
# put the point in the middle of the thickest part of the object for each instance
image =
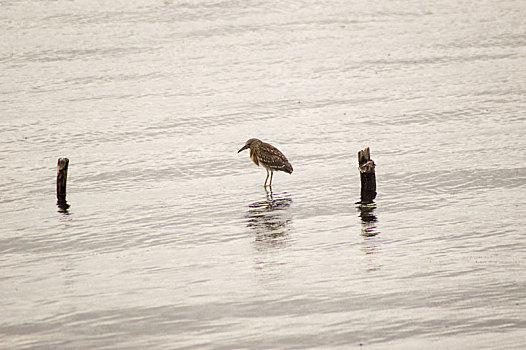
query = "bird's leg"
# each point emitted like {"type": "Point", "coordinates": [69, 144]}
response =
{"type": "Point", "coordinates": [265, 185]}
{"type": "Point", "coordinates": [271, 174]}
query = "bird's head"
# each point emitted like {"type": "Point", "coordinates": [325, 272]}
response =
{"type": "Point", "coordinates": [249, 144]}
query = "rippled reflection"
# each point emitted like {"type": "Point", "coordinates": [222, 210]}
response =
{"type": "Point", "coordinates": [369, 219]}
{"type": "Point", "coordinates": [369, 230]}
{"type": "Point", "coordinates": [270, 218]}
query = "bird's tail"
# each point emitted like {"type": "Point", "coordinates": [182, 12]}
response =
{"type": "Point", "coordinates": [288, 168]}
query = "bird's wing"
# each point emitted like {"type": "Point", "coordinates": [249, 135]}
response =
{"type": "Point", "coordinates": [272, 157]}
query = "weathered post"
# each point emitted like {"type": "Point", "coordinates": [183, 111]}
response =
{"type": "Point", "coordinates": [62, 177]}
{"type": "Point", "coordinates": [367, 176]}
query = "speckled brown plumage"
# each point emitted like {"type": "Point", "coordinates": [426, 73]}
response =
{"type": "Point", "coordinates": [267, 156]}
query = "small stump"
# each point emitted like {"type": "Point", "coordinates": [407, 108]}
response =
{"type": "Point", "coordinates": [366, 167]}
{"type": "Point", "coordinates": [62, 178]}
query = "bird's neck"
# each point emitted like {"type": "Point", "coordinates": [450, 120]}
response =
{"type": "Point", "coordinates": [253, 156]}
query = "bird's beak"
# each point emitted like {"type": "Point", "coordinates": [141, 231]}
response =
{"type": "Point", "coordinates": [243, 148]}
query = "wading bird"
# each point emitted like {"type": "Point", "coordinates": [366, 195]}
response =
{"type": "Point", "coordinates": [268, 156]}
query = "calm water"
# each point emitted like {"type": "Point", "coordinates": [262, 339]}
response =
{"type": "Point", "coordinates": [170, 240]}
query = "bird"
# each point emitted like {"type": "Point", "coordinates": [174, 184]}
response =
{"type": "Point", "coordinates": [268, 156]}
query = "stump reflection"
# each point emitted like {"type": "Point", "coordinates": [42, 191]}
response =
{"type": "Point", "coordinates": [369, 219]}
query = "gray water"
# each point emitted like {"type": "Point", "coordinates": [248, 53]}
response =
{"type": "Point", "coordinates": [170, 239]}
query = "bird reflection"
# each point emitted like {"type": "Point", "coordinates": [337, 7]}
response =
{"type": "Point", "coordinates": [369, 219]}
{"type": "Point", "coordinates": [269, 219]}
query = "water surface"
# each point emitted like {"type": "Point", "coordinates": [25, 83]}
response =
{"type": "Point", "coordinates": [170, 239]}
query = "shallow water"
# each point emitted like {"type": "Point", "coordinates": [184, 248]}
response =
{"type": "Point", "coordinates": [170, 239]}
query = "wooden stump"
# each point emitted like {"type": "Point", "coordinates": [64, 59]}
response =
{"type": "Point", "coordinates": [62, 177]}
{"type": "Point", "coordinates": [367, 176]}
